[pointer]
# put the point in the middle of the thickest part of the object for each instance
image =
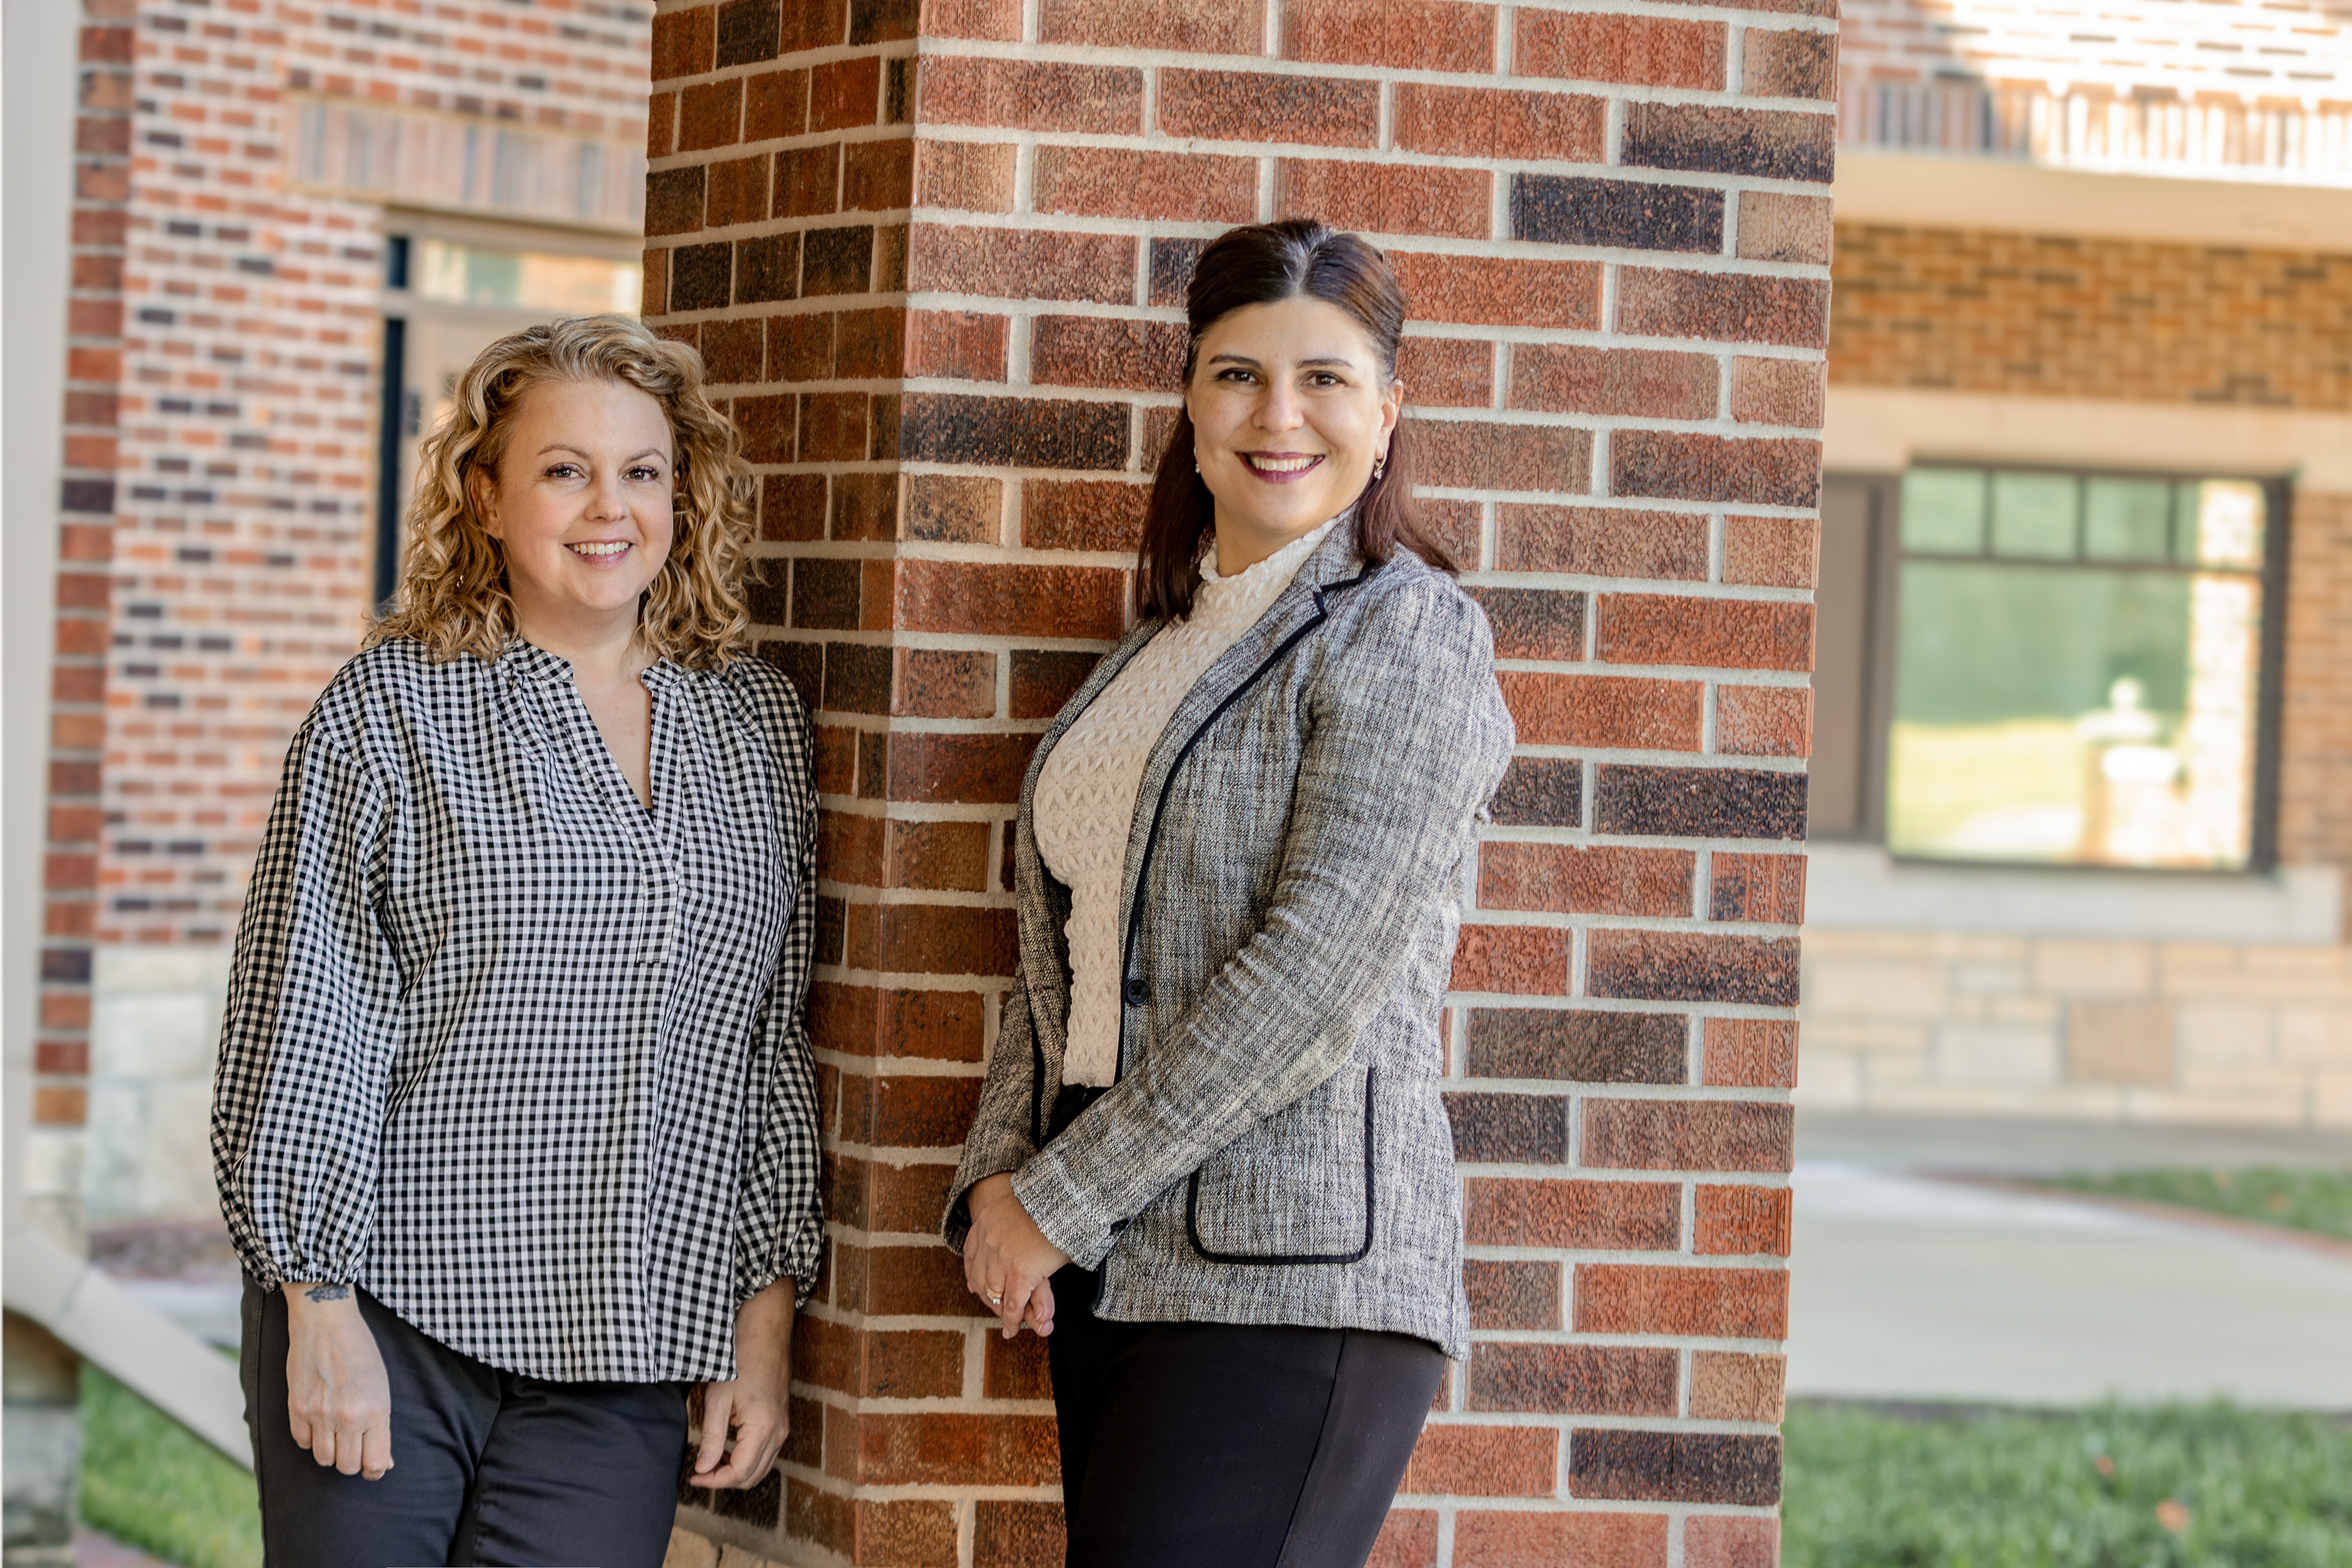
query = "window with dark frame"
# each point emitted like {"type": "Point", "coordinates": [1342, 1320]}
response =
{"type": "Point", "coordinates": [2061, 667]}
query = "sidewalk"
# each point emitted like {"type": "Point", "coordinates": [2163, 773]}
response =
{"type": "Point", "coordinates": [1909, 1285]}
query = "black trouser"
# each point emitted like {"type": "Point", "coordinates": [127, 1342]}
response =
{"type": "Point", "coordinates": [488, 1466]}
{"type": "Point", "coordinates": [1237, 1445]}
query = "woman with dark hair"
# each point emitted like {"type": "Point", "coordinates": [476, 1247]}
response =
{"type": "Point", "coordinates": [1211, 1160]}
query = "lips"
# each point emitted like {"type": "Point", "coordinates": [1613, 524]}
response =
{"type": "Point", "coordinates": [1281, 468]}
{"type": "Point", "coordinates": [601, 551]}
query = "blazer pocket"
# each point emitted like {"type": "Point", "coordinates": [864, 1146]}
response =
{"type": "Point", "coordinates": [1297, 1188]}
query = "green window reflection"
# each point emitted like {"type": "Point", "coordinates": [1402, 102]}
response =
{"type": "Point", "coordinates": [2083, 694]}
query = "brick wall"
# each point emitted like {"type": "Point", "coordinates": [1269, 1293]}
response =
{"type": "Point", "coordinates": [2315, 805]}
{"type": "Point", "coordinates": [2058, 315]}
{"type": "Point", "coordinates": [935, 258]}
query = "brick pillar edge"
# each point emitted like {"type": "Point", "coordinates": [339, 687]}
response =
{"type": "Point", "coordinates": [935, 258]}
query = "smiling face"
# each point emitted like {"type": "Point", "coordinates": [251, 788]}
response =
{"type": "Point", "coordinates": [581, 505]}
{"type": "Point", "coordinates": [1291, 407]}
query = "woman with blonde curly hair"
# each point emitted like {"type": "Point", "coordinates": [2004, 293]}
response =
{"type": "Point", "coordinates": [515, 1122]}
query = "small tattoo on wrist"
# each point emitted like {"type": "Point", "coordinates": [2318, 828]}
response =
{"type": "Point", "coordinates": [327, 1293]}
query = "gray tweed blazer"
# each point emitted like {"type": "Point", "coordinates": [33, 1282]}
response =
{"type": "Point", "coordinates": [1274, 1150]}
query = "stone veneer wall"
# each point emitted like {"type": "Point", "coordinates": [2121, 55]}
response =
{"type": "Point", "coordinates": [934, 255]}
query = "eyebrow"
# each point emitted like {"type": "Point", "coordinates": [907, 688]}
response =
{"type": "Point", "coordinates": [568, 446]}
{"type": "Point", "coordinates": [1245, 360]}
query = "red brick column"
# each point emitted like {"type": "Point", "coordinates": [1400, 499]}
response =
{"type": "Point", "coordinates": [935, 256]}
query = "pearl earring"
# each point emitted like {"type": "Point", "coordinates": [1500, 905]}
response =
{"type": "Point", "coordinates": [1380, 464]}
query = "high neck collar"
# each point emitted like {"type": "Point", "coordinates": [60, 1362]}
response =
{"type": "Point", "coordinates": [1258, 584]}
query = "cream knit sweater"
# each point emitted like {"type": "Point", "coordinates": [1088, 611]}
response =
{"type": "Point", "coordinates": [1086, 795]}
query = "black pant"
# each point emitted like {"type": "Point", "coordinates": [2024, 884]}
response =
{"type": "Point", "coordinates": [1237, 1445]}
{"type": "Point", "coordinates": [488, 1466]}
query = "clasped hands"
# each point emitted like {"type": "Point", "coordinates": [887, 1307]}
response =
{"type": "Point", "coordinates": [1007, 1260]}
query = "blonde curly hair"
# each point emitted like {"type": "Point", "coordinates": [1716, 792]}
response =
{"type": "Point", "coordinates": [453, 597]}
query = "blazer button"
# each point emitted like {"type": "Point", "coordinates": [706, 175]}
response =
{"type": "Point", "coordinates": [1136, 992]}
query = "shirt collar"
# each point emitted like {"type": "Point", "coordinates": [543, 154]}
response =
{"type": "Point", "coordinates": [523, 660]}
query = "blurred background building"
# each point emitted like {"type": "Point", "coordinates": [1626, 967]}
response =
{"type": "Point", "coordinates": [2082, 779]}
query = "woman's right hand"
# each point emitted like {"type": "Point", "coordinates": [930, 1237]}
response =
{"type": "Point", "coordinates": [337, 1395]}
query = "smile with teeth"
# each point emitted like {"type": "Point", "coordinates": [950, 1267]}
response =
{"type": "Point", "coordinates": [600, 548]}
{"type": "Point", "coordinates": [1280, 463]}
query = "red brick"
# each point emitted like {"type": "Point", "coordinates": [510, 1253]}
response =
{"type": "Point", "coordinates": [959, 508]}
{"type": "Point", "coordinates": [946, 1449]}
{"type": "Point", "coordinates": [1786, 63]}
{"type": "Point", "coordinates": [1643, 50]}
{"type": "Point", "coordinates": [1169, 187]}
{"type": "Point", "coordinates": [833, 427]}
{"type": "Point", "coordinates": [1031, 95]}
{"type": "Point", "coordinates": [70, 873]}
{"type": "Point", "coordinates": [1396, 35]}
{"type": "Point", "coordinates": [1513, 1293]}
{"type": "Point", "coordinates": [1384, 197]}
{"type": "Point", "coordinates": [661, 123]}
{"type": "Point", "coordinates": [1742, 1221]}
{"type": "Point", "coordinates": [737, 192]}
{"type": "Point", "coordinates": [914, 939]}
{"type": "Point", "coordinates": [58, 1105]}
{"type": "Point", "coordinates": [1011, 1534]}
{"type": "Point", "coordinates": [1408, 1539]}
{"type": "Point", "coordinates": [1525, 961]}
{"type": "Point", "coordinates": [1588, 541]}
{"type": "Point", "coordinates": [1766, 888]}
{"type": "Point", "coordinates": [1771, 551]}
{"type": "Point", "coordinates": [711, 115]}
{"type": "Point", "coordinates": [969, 176]}
{"type": "Point", "coordinates": [1015, 1369]}
{"type": "Point", "coordinates": [1243, 105]}
{"type": "Point", "coordinates": [1727, 1386]}
{"type": "Point", "coordinates": [1567, 878]}
{"type": "Point", "coordinates": [950, 855]}
{"type": "Point", "coordinates": [1474, 455]}
{"type": "Point", "coordinates": [1192, 26]}
{"type": "Point", "coordinates": [862, 1020]}
{"type": "Point", "coordinates": [776, 103]}
{"type": "Point", "coordinates": [1482, 1461]}
{"type": "Point", "coordinates": [1519, 1211]}
{"type": "Point", "coordinates": [1100, 351]}
{"type": "Point", "coordinates": [653, 299]}
{"type": "Point", "coordinates": [1723, 307]}
{"type": "Point", "coordinates": [845, 94]}
{"type": "Point", "coordinates": [1723, 633]}
{"type": "Point", "coordinates": [685, 43]}
{"type": "Point", "coordinates": [1776, 226]}
{"type": "Point", "coordinates": [1526, 1539]}
{"type": "Point", "coordinates": [808, 180]}
{"type": "Point", "coordinates": [1763, 721]}
{"type": "Point", "coordinates": [877, 176]}
{"type": "Point", "coordinates": [1681, 466]}
{"type": "Point", "coordinates": [1447, 372]}
{"type": "Point", "coordinates": [1654, 1299]}
{"type": "Point", "coordinates": [1689, 966]}
{"type": "Point", "coordinates": [1023, 264]}
{"type": "Point", "coordinates": [62, 1059]}
{"type": "Point", "coordinates": [1687, 1135]}
{"type": "Point", "coordinates": [791, 507]}
{"type": "Point", "coordinates": [1479, 290]}
{"type": "Point", "coordinates": [813, 24]}
{"type": "Point", "coordinates": [1082, 514]}
{"type": "Point", "coordinates": [884, 1365]}
{"type": "Point", "coordinates": [969, 770]}
{"type": "Point", "coordinates": [957, 345]}
{"type": "Point", "coordinates": [1564, 378]}
{"type": "Point", "coordinates": [986, 600]}
{"type": "Point", "coordinates": [1500, 122]}
{"type": "Point", "coordinates": [1778, 392]}
{"type": "Point", "coordinates": [998, 21]}
{"type": "Point", "coordinates": [1574, 1380]}
{"type": "Point", "coordinates": [1604, 711]}
{"type": "Point", "coordinates": [849, 847]}
{"type": "Point", "coordinates": [1749, 1053]}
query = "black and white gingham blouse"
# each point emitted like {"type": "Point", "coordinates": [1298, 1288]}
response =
{"type": "Point", "coordinates": [519, 1055]}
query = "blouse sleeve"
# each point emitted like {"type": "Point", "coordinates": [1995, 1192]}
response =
{"type": "Point", "coordinates": [779, 1220]}
{"type": "Point", "coordinates": [311, 1021]}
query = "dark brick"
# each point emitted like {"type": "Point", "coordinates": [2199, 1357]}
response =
{"type": "Point", "coordinates": [770, 426]}
{"type": "Point", "coordinates": [825, 593]}
{"type": "Point", "coordinates": [1680, 465]}
{"type": "Point", "coordinates": [747, 31]}
{"type": "Point", "coordinates": [732, 350]}
{"type": "Point", "coordinates": [682, 42]}
{"type": "Point", "coordinates": [1699, 803]}
{"type": "Point", "coordinates": [1541, 792]}
{"type": "Point", "coordinates": [1509, 1129]}
{"type": "Point", "coordinates": [856, 678]}
{"type": "Point", "coordinates": [764, 598]}
{"type": "Point", "coordinates": [1786, 63]}
{"type": "Point", "coordinates": [1763, 143]}
{"type": "Point", "coordinates": [881, 21]}
{"type": "Point", "coordinates": [1014, 432]}
{"type": "Point", "coordinates": [803, 663]}
{"type": "Point", "coordinates": [1685, 966]}
{"type": "Point", "coordinates": [1768, 887]}
{"type": "Point", "coordinates": [674, 201]}
{"type": "Point", "coordinates": [1513, 1293]}
{"type": "Point", "coordinates": [944, 683]}
{"type": "Point", "coordinates": [1687, 1135]}
{"type": "Point", "coordinates": [1575, 1379]}
{"type": "Point", "coordinates": [1578, 1045]}
{"type": "Point", "coordinates": [766, 268]}
{"type": "Point", "coordinates": [739, 192]}
{"type": "Point", "coordinates": [700, 276]}
{"type": "Point", "coordinates": [792, 508]}
{"type": "Point", "coordinates": [839, 261]}
{"type": "Point", "coordinates": [865, 507]}
{"type": "Point", "coordinates": [1096, 351]}
{"type": "Point", "coordinates": [962, 509]}
{"type": "Point", "coordinates": [869, 344]}
{"type": "Point", "coordinates": [776, 103]}
{"type": "Point", "coordinates": [1043, 680]}
{"type": "Point", "coordinates": [1675, 1467]}
{"type": "Point", "coordinates": [1534, 622]}
{"type": "Point", "coordinates": [87, 495]}
{"type": "Point", "coordinates": [1171, 269]}
{"type": "Point", "coordinates": [808, 180]}
{"type": "Point", "coordinates": [877, 176]}
{"type": "Point", "coordinates": [1559, 209]}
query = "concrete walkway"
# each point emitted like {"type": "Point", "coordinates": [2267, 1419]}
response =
{"type": "Point", "coordinates": [1908, 1284]}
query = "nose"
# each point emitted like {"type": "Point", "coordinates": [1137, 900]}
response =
{"type": "Point", "coordinates": [608, 502]}
{"type": "Point", "coordinates": [1278, 408]}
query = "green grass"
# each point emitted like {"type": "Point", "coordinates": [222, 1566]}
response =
{"type": "Point", "coordinates": [2177, 1487]}
{"type": "Point", "coordinates": [148, 1480]}
{"type": "Point", "coordinates": [2315, 1201]}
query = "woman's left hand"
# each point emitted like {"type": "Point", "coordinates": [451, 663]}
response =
{"type": "Point", "coordinates": [1007, 1260]}
{"type": "Point", "coordinates": [753, 1405]}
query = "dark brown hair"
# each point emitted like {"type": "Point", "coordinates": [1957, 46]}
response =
{"type": "Point", "coordinates": [1263, 265]}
